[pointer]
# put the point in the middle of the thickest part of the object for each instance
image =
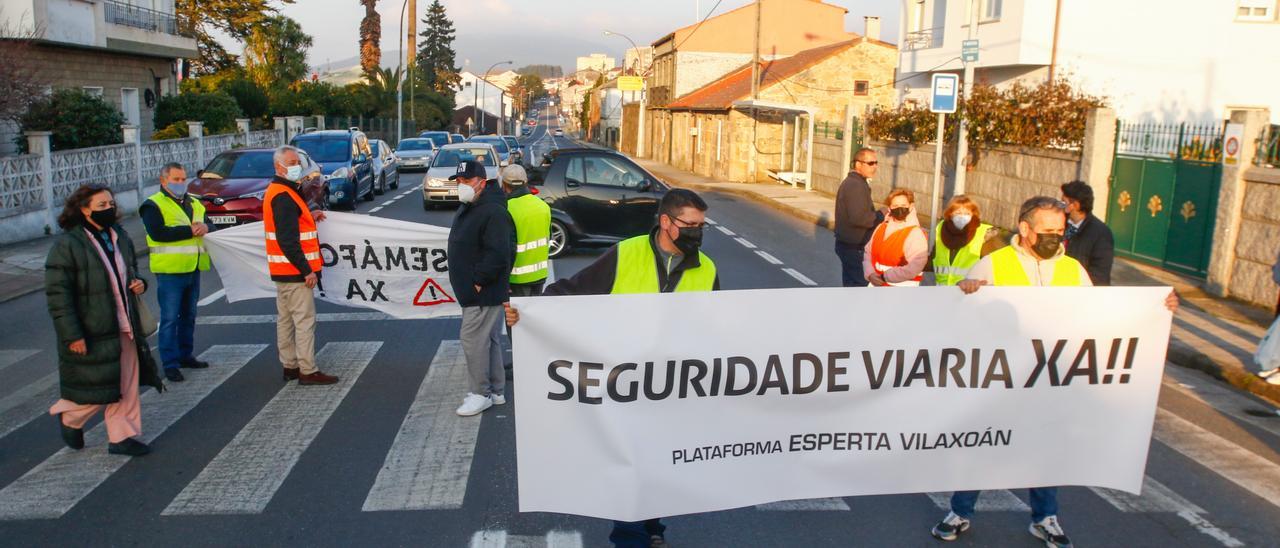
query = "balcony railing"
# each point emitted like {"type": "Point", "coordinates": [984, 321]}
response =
{"type": "Point", "coordinates": [922, 39]}
{"type": "Point", "coordinates": [120, 13]}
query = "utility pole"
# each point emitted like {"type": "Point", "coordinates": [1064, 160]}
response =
{"type": "Point", "coordinates": [755, 62]}
{"type": "Point", "coordinates": [411, 56]}
{"type": "Point", "coordinates": [962, 145]}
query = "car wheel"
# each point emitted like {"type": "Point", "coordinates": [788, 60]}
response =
{"type": "Point", "coordinates": [427, 205]}
{"type": "Point", "coordinates": [372, 190]}
{"type": "Point", "coordinates": [396, 185]}
{"type": "Point", "coordinates": [381, 187]}
{"type": "Point", "coordinates": [558, 242]}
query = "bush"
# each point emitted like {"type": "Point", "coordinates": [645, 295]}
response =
{"type": "Point", "coordinates": [217, 110]}
{"type": "Point", "coordinates": [76, 118]}
{"type": "Point", "coordinates": [176, 130]}
{"type": "Point", "coordinates": [1049, 115]}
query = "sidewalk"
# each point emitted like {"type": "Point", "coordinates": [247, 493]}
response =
{"type": "Point", "coordinates": [22, 264]}
{"type": "Point", "coordinates": [1211, 334]}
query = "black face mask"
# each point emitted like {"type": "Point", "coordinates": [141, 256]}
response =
{"type": "Point", "coordinates": [899, 213]}
{"type": "Point", "coordinates": [690, 240]}
{"type": "Point", "coordinates": [1046, 245]}
{"type": "Point", "coordinates": [103, 217]}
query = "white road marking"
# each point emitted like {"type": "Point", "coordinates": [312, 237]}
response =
{"type": "Point", "coordinates": [1158, 498]}
{"type": "Point", "coordinates": [26, 403]}
{"type": "Point", "coordinates": [271, 318]}
{"type": "Point", "coordinates": [833, 504]}
{"type": "Point", "coordinates": [213, 297]}
{"type": "Point", "coordinates": [1237, 464]}
{"type": "Point", "coordinates": [768, 257]}
{"type": "Point", "coordinates": [376, 209]}
{"type": "Point", "coordinates": [500, 539]}
{"type": "Point", "coordinates": [725, 230]}
{"type": "Point", "coordinates": [1223, 398]}
{"type": "Point", "coordinates": [54, 486]}
{"type": "Point", "coordinates": [429, 463]}
{"type": "Point", "coordinates": [10, 357]}
{"type": "Point", "coordinates": [245, 475]}
{"type": "Point", "coordinates": [710, 222]}
{"type": "Point", "coordinates": [998, 500]}
{"type": "Point", "coordinates": [800, 277]}
{"type": "Point", "coordinates": [745, 243]}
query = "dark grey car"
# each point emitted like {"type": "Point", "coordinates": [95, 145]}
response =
{"type": "Point", "coordinates": [386, 167]}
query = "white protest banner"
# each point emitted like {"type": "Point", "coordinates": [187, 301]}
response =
{"type": "Point", "coordinates": [396, 267]}
{"type": "Point", "coordinates": [640, 406]}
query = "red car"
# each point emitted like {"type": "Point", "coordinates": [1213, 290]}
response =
{"type": "Point", "coordinates": [233, 184]}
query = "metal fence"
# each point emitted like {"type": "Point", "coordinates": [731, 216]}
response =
{"type": "Point", "coordinates": [21, 184]}
{"type": "Point", "coordinates": [1268, 153]}
{"type": "Point", "coordinates": [828, 130]}
{"type": "Point", "coordinates": [121, 13]}
{"type": "Point", "coordinates": [113, 165]}
{"type": "Point", "coordinates": [1201, 142]}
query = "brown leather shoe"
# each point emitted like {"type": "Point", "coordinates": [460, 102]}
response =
{"type": "Point", "coordinates": [317, 378]}
{"type": "Point", "coordinates": [290, 374]}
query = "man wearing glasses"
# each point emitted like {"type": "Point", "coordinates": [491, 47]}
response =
{"type": "Point", "coordinates": [856, 217]}
{"type": "Point", "coordinates": [1034, 257]}
{"type": "Point", "coordinates": [666, 260]}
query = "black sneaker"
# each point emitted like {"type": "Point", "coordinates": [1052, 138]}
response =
{"type": "Point", "coordinates": [173, 374]}
{"type": "Point", "coordinates": [657, 541]}
{"type": "Point", "coordinates": [194, 364]}
{"type": "Point", "coordinates": [131, 447]}
{"type": "Point", "coordinates": [1050, 531]}
{"type": "Point", "coordinates": [73, 437]}
{"type": "Point", "coordinates": [950, 527]}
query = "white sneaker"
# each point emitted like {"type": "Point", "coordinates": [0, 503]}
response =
{"type": "Point", "coordinates": [474, 404]}
{"type": "Point", "coordinates": [1268, 373]}
{"type": "Point", "coordinates": [1050, 531]}
{"type": "Point", "coordinates": [498, 399]}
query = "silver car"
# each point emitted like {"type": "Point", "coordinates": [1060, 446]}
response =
{"type": "Point", "coordinates": [437, 188]}
{"type": "Point", "coordinates": [416, 153]}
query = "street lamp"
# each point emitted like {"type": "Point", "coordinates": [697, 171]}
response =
{"type": "Point", "coordinates": [633, 44]}
{"type": "Point", "coordinates": [643, 90]}
{"type": "Point", "coordinates": [482, 97]}
{"type": "Point", "coordinates": [400, 81]}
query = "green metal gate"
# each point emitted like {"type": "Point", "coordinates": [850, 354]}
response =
{"type": "Point", "coordinates": [1164, 191]}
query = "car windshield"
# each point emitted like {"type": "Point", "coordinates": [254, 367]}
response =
{"type": "Point", "coordinates": [326, 150]}
{"type": "Point", "coordinates": [497, 143]}
{"type": "Point", "coordinates": [439, 138]}
{"type": "Point", "coordinates": [417, 144]}
{"type": "Point", "coordinates": [241, 165]}
{"type": "Point", "coordinates": [451, 157]}
{"type": "Point", "coordinates": [512, 142]}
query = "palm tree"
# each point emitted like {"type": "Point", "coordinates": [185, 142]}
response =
{"type": "Point", "coordinates": [380, 88]}
{"type": "Point", "coordinates": [370, 35]}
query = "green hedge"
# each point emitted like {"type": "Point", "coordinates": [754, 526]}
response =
{"type": "Point", "coordinates": [76, 118]}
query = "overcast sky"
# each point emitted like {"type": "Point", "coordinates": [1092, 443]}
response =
{"type": "Point", "coordinates": [532, 31]}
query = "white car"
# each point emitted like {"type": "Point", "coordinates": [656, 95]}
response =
{"type": "Point", "coordinates": [416, 153]}
{"type": "Point", "coordinates": [437, 188]}
{"type": "Point", "coordinates": [558, 132]}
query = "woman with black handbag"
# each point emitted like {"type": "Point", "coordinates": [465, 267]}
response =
{"type": "Point", "coordinates": [92, 288]}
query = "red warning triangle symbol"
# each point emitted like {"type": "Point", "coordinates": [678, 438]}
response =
{"type": "Point", "coordinates": [431, 294]}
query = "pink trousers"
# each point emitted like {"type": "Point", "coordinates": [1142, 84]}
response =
{"type": "Point", "coordinates": [123, 418]}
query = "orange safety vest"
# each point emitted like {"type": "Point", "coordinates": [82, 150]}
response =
{"type": "Point", "coordinates": [886, 251]}
{"type": "Point", "coordinates": [278, 264]}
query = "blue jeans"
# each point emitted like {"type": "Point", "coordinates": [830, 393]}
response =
{"type": "Point", "coordinates": [851, 274]}
{"type": "Point", "coordinates": [1044, 502]}
{"type": "Point", "coordinates": [635, 534]}
{"type": "Point", "coordinates": [178, 294]}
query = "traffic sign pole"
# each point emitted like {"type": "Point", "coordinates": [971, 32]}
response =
{"type": "Point", "coordinates": [942, 99]}
{"type": "Point", "coordinates": [969, 51]}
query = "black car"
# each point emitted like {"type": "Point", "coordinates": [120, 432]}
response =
{"type": "Point", "coordinates": [597, 198]}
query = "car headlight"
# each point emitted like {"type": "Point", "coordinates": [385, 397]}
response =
{"type": "Point", "coordinates": [340, 173]}
{"type": "Point", "coordinates": [259, 195]}
{"type": "Point", "coordinates": [435, 183]}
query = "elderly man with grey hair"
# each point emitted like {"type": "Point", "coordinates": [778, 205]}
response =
{"type": "Point", "coordinates": [293, 259]}
{"type": "Point", "coordinates": [175, 226]}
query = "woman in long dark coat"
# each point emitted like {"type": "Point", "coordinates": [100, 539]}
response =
{"type": "Point", "coordinates": [92, 286]}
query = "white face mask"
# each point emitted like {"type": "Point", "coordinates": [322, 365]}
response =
{"type": "Point", "coordinates": [292, 173]}
{"type": "Point", "coordinates": [466, 194]}
{"type": "Point", "coordinates": [961, 220]}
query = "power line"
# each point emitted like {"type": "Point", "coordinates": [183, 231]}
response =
{"type": "Point", "coordinates": [699, 25]}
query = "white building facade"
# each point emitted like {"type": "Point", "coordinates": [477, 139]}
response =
{"type": "Point", "coordinates": [485, 95]}
{"type": "Point", "coordinates": [596, 61]}
{"type": "Point", "coordinates": [1176, 60]}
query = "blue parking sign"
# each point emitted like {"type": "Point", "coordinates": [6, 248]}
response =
{"type": "Point", "coordinates": [944, 93]}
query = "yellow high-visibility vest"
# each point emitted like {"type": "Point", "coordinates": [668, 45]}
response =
{"type": "Point", "coordinates": [637, 270]}
{"type": "Point", "coordinates": [532, 218]}
{"type": "Point", "coordinates": [948, 271]}
{"type": "Point", "coordinates": [183, 256]}
{"type": "Point", "coordinates": [1008, 271]}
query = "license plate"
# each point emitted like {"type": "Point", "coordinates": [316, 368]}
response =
{"type": "Point", "coordinates": [453, 192]}
{"type": "Point", "coordinates": [222, 220]}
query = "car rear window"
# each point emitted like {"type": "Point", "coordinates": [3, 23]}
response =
{"type": "Point", "coordinates": [439, 138]}
{"type": "Point", "coordinates": [497, 142]}
{"type": "Point", "coordinates": [451, 157]}
{"type": "Point", "coordinates": [326, 150]}
{"type": "Point", "coordinates": [417, 144]}
{"type": "Point", "coordinates": [242, 165]}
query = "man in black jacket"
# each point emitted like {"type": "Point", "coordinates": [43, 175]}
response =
{"type": "Point", "coordinates": [1088, 239]}
{"type": "Point", "coordinates": [481, 252]}
{"type": "Point", "coordinates": [856, 217]}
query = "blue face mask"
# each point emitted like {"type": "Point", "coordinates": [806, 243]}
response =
{"type": "Point", "coordinates": [177, 189]}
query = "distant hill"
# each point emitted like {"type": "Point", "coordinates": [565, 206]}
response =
{"type": "Point", "coordinates": [542, 71]}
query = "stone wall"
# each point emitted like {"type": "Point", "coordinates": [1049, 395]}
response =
{"type": "Point", "coordinates": [699, 68]}
{"type": "Point", "coordinates": [1259, 238]}
{"type": "Point", "coordinates": [829, 85]}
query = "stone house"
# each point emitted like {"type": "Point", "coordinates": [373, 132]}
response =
{"type": "Point", "coordinates": [126, 54]}
{"type": "Point", "coordinates": [717, 131]}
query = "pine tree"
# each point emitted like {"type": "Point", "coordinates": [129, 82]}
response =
{"type": "Point", "coordinates": [436, 58]}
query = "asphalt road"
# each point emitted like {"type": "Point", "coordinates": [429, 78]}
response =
{"type": "Point", "coordinates": [243, 459]}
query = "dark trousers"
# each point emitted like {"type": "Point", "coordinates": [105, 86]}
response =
{"type": "Point", "coordinates": [1044, 503]}
{"type": "Point", "coordinates": [528, 290]}
{"type": "Point", "coordinates": [178, 294]}
{"type": "Point", "coordinates": [850, 255]}
{"type": "Point", "coordinates": [635, 534]}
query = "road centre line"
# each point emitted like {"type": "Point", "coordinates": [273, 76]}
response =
{"type": "Point", "coordinates": [725, 230]}
{"type": "Point", "coordinates": [213, 297]}
{"type": "Point", "coordinates": [246, 474]}
{"type": "Point", "coordinates": [770, 258]}
{"type": "Point", "coordinates": [745, 243]}
{"type": "Point", "coordinates": [55, 486]}
{"type": "Point", "coordinates": [801, 277]}
{"type": "Point", "coordinates": [376, 209]}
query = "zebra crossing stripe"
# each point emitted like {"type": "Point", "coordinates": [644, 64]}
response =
{"type": "Point", "coordinates": [997, 500]}
{"type": "Point", "coordinates": [430, 460]}
{"type": "Point", "coordinates": [1237, 464]}
{"type": "Point", "coordinates": [56, 485]}
{"type": "Point", "coordinates": [10, 357]}
{"type": "Point", "coordinates": [1158, 498]}
{"type": "Point", "coordinates": [27, 403]}
{"type": "Point", "coordinates": [248, 471]}
{"type": "Point", "coordinates": [500, 539]}
{"type": "Point", "coordinates": [833, 504]}
{"type": "Point", "coordinates": [271, 318]}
